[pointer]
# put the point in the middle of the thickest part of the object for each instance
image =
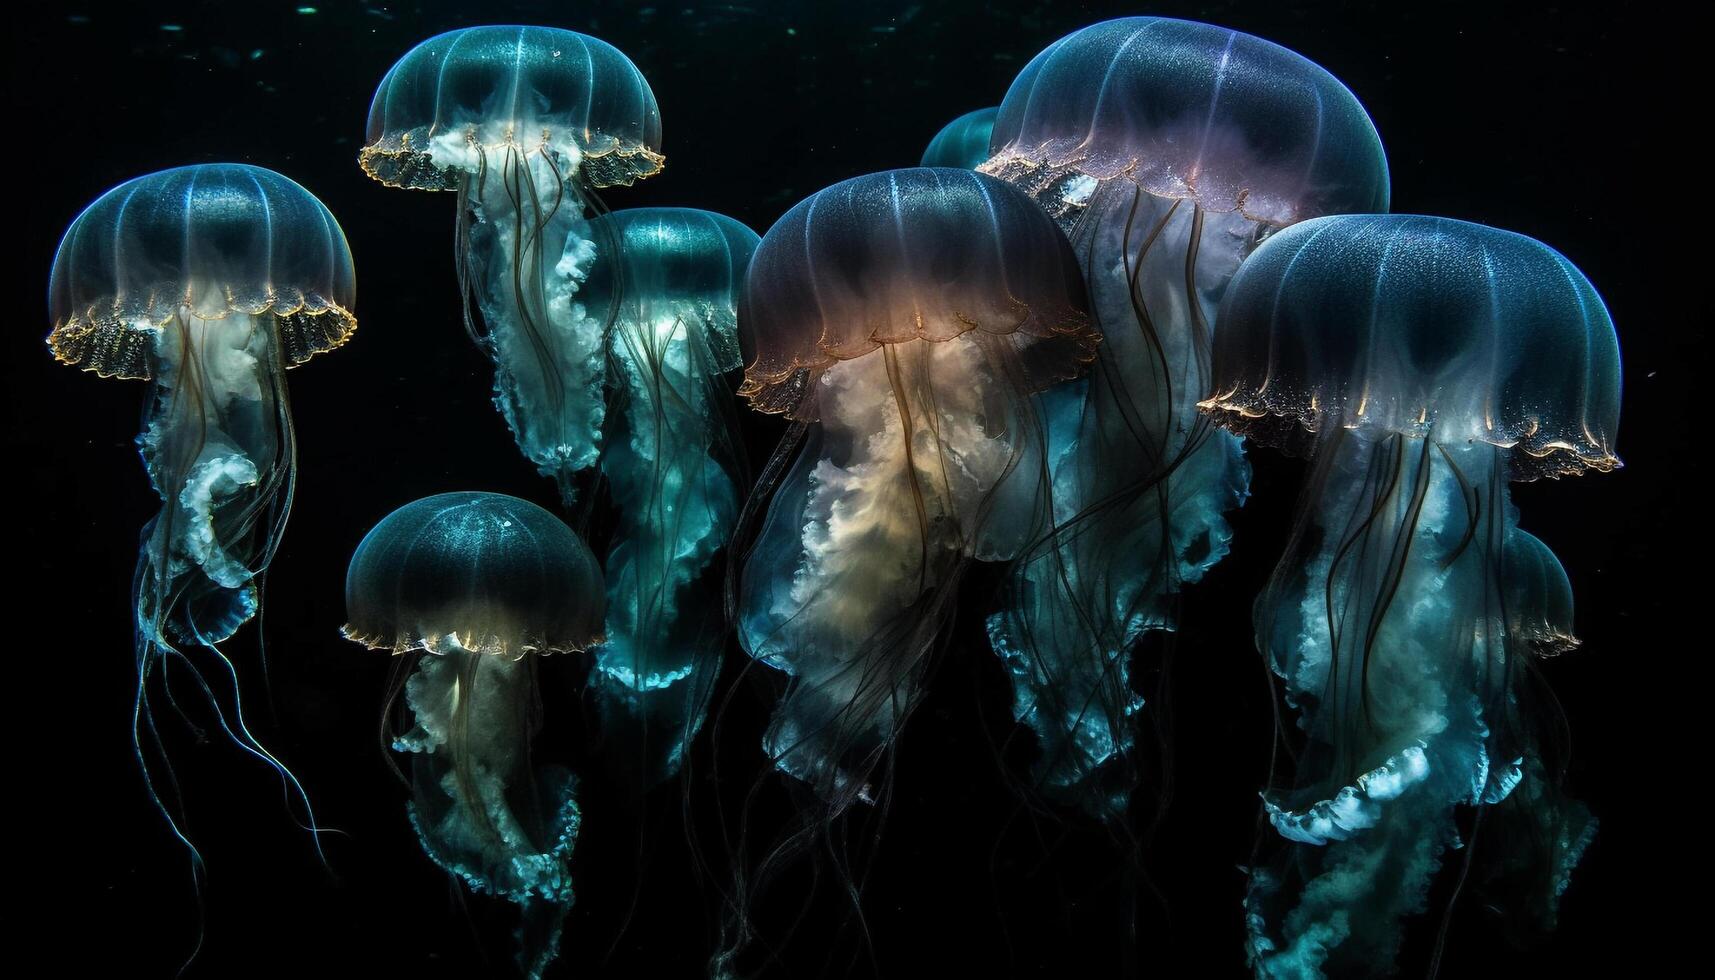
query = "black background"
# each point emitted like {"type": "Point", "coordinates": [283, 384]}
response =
{"type": "Point", "coordinates": [1538, 119]}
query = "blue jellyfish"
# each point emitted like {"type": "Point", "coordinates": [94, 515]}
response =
{"type": "Point", "coordinates": [673, 462]}
{"type": "Point", "coordinates": [473, 587]}
{"type": "Point", "coordinates": [208, 282]}
{"type": "Point", "coordinates": [964, 142]}
{"type": "Point", "coordinates": [1421, 363]}
{"type": "Point", "coordinates": [1166, 150]}
{"type": "Point", "coordinates": [1539, 596]}
{"type": "Point", "coordinates": [903, 320]}
{"type": "Point", "coordinates": [1535, 836]}
{"type": "Point", "coordinates": [525, 123]}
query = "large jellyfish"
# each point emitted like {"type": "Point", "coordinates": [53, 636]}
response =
{"type": "Point", "coordinates": [474, 587]}
{"type": "Point", "coordinates": [962, 143]}
{"type": "Point", "coordinates": [1421, 363]}
{"type": "Point", "coordinates": [673, 464]}
{"type": "Point", "coordinates": [903, 319]}
{"type": "Point", "coordinates": [208, 282]}
{"type": "Point", "coordinates": [525, 123]}
{"type": "Point", "coordinates": [1166, 149]}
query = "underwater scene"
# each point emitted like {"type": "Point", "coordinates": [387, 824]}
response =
{"type": "Point", "coordinates": [898, 489]}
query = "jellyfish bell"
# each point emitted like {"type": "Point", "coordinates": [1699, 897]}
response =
{"type": "Point", "coordinates": [474, 587]}
{"type": "Point", "coordinates": [1166, 149]}
{"type": "Point", "coordinates": [544, 96]}
{"type": "Point", "coordinates": [526, 124]}
{"type": "Point", "coordinates": [673, 462]}
{"type": "Point", "coordinates": [1426, 327]}
{"type": "Point", "coordinates": [208, 282]}
{"type": "Point", "coordinates": [1227, 121]}
{"type": "Point", "coordinates": [1538, 596]}
{"type": "Point", "coordinates": [1421, 363]}
{"type": "Point", "coordinates": [962, 143]}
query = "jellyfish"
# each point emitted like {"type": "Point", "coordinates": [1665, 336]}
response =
{"type": "Point", "coordinates": [1166, 150]}
{"type": "Point", "coordinates": [962, 143]}
{"type": "Point", "coordinates": [208, 282]}
{"type": "Point", "coordinates": [1539, 596]}
{"type": "Point", "coordinates": [473, 588]}
{"type": "Point", "coordinates": [903, 321]}
{"type": "Point", "coordinates": [1538, 832]}
{"type": "Point", "coordinates": [673, 463]}
{"type": "Point", "coordinates": [526, 124]}
{"type": "Point", "coordinates": [1421, 363]}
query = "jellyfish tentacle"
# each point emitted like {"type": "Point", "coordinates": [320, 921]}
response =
{"type": "Point", "coordinates": [906, 477]}
{"type": "Point", "coordinates": [525, 251]}
{"type": "Point", "coordinates": [480, 811]}
{"type": "Point", "coordinates": [218, 446]}
{"type": "Point", "coordinates": [668, 462]}
{"type": "Point", "coordinates": [1141, 487]}
{"type": "Point", "coordinates": [228, 712]}
{"type": "Point", "coordinates": [1387, 624]}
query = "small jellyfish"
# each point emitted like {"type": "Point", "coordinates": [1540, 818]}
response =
{"type": "Point", "coordinates": [1166, 150]}
{"type": "Point", "coordinates": [962, 143]}
{"type": "Point", "coordinates": [1539, 596]}
{"type": "Point", "coordinates": [208, 282]}
{"type": "Point", "coordinates": [473, 587]}
{"type": "Point", "coordinates": [903, 320]}
{"type": "Point", "coordinates": [525, 123]}
{"type": "Point", "coordinates": [673, 461]}
{"type": "Point", "coordinates": [1421, 363]}
{"type": "Point", "coordinates": [1537, 833]}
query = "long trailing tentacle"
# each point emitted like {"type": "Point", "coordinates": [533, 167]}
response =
{"type": "Point", "coordinates": [196, 583]}
{"type": "Point", "coordinates": [1134, 463]}
{"type": "Point", "coordinates": [1388, 620]}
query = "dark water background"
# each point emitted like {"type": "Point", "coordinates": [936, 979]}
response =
{"type": "Point", "coordinates": [1537, 119]}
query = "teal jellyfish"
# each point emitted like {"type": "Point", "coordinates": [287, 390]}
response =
{"type": "Point", "coordinates": [1421, 363]}
{"type": "Point", "coordinates": [526, 124]}
{"type": "Point", "coordinates": [1539, 596]}
{"type": "Point", "coordinates": [1167, 150]}
{"type": "Point", "coordinates": [208, 282]}
{"type": "Point", "coordinates": [962, 143]}
{"type": "Point", "coordinates": [904, 321]}
{"type": "Point", "coordinates": [473, 587]}
{"type": "Point", "coordinates": [673, 462]}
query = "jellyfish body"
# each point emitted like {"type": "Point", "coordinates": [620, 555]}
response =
{"type": "Point", "coordinates": [1421, 363]}
{"type": "Point", "coordinates": [964, 142]}
{"type": "Point", "coordinates": [475, 586]}
{"type": "Point", "coordinates": [208, 282]}
{"type": "Point", "coordinates": [525, 123]}
{"type": "Point", "coordinates": [903, 319]}
{"type": "Point", "coordinates": [1539, 596]}
{"type": "Point", "coordinates": [1165, 149]}
{"type": "Point", "coordinates": [672, 461]}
